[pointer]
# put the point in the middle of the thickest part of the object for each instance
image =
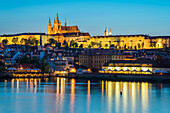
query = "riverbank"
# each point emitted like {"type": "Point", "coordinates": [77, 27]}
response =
{"type": "Point", "coordinates": [24, 75]}
{"type": "Point", "coordinates": [92, 76]}
{"type": "Point", "coordinates": [119, 77]}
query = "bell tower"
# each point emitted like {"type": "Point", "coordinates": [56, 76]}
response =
{"type": "Point", "coordinates": [110, 32]}
{"type": "Point", "coordinates": [106, 32]}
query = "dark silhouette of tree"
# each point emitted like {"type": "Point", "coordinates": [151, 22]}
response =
{"type": "Point", "coordinates": [58, 44]}
{"type": "Point", "coordinates": [89, 46]}
{"type": "Point", "coordinates": [125, 46]}
{"type": "Point", "coordinates": [100, 44]}
{"type": "Point", "coordinates": [22, 41]}
{"type": "Point", "coordinates": [81, 46]}
{"type": "Point", "coordinates": [75, 45]}
{"type": "Point", "coordinates": [32, 40]}
{"type": "Point", "coordinates": [36, 42]}
{"type": "Point", "coordinates": [143, 45]}
{"type": "Point", "coordinates": [4, 41]}
{"type": "Point", "coordinates": [26, 42]}
{"type": "Point", "coordinates": [72, 43]}
{"type": "Point", "coordinates": [51, 41]}
{"type": "Point", "coordinates": [106, 46]}
{"type": "Point", "coordinates": [138, 45]}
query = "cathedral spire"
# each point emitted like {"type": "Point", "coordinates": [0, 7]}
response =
{"type": "Point", "coordinates": [49, 23]}
{"type": "Point", "coordinates": [54, 20]}
{"type": "Point", "coordinates": [65, 22]}
{"type": "Point", "coordinates": [49, 29]}
{"type": "Point", "coordinates": [57, 18]}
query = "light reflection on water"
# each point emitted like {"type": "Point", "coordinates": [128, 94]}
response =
{"type": "Point", "coordinates": [75, 96]}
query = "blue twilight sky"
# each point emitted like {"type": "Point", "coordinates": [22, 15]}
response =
{"type": "Point", "coordinates": [93, 16]}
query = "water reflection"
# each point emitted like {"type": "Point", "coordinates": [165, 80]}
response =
{"type": "Point", "coordinates": [68, 95]}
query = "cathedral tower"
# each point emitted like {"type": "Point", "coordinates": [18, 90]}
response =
{"type": "Point", "coordinates": [57, 25]}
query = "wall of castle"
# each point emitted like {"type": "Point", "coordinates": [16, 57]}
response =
{"type": "Point", "coordinates": [20, 37]}
{"type": "Point", "coordinates": [120, 42]}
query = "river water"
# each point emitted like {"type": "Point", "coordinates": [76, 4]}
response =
{"type": "Point", "coordinates": [61, 95]}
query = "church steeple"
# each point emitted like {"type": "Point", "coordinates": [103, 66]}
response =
{"type": "Point", "coordinates": [65, 22]}
{"type": "Point", "coordinates": [106, 32]}
{"type": "Point", "coordinates": [110, 32]}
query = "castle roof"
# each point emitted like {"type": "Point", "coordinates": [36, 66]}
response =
{"type": "Point", "coordinates": [69, 28]}
{"type": "Point", "coordinates": [138, 35]}
{"type": "Point", "coordinates": [153, 37]}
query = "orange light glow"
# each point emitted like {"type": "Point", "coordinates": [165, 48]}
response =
{"type": "Point", "coordinates": [72, 70]}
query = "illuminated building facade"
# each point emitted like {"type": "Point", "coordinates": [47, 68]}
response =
{"type": "Point", "coordinates": [139, 66]}
{"type": "Point", "coordinates": [96, 58]}
{"type": "Point", "coordinates": [130, 42]}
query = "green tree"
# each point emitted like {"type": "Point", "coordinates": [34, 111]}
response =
{"type": "Point", "coordinates": [65, 44]}
{"type": "Point", "coordinates": [26, 42]}
{"type": "Point", "coordinates": [51, 41]}
{"type": "Point", "coordinates": [22, 41]}
{"type": "Point", "coordinates": [92, 44]}
{"type": "Point", "coordinates": [165, 47]}
{"type": "Point", "coordinates": [100, 44]}
{"type": "Point", "coordinates": [35, 61]}
{"type": "Point", "coordinates": [45, 67]}
{"type": "Point", "coordinates": [154, 44]}
{"type": "Point", "coordinates": [25, 60]}
{"type": "Point", "coordinates": [32, 40]}
{"type": "Point", "coordinates": [72, 43]}
{"type": "Point", "coordinates": [106, 46]}
{"type": "Point", "coordinates": [15, 40]}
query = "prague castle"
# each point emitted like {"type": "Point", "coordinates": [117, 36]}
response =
{"type": "Point", "coordinates": [57, 28]}
{"type": "Point", "coordinates": [68, 33]}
